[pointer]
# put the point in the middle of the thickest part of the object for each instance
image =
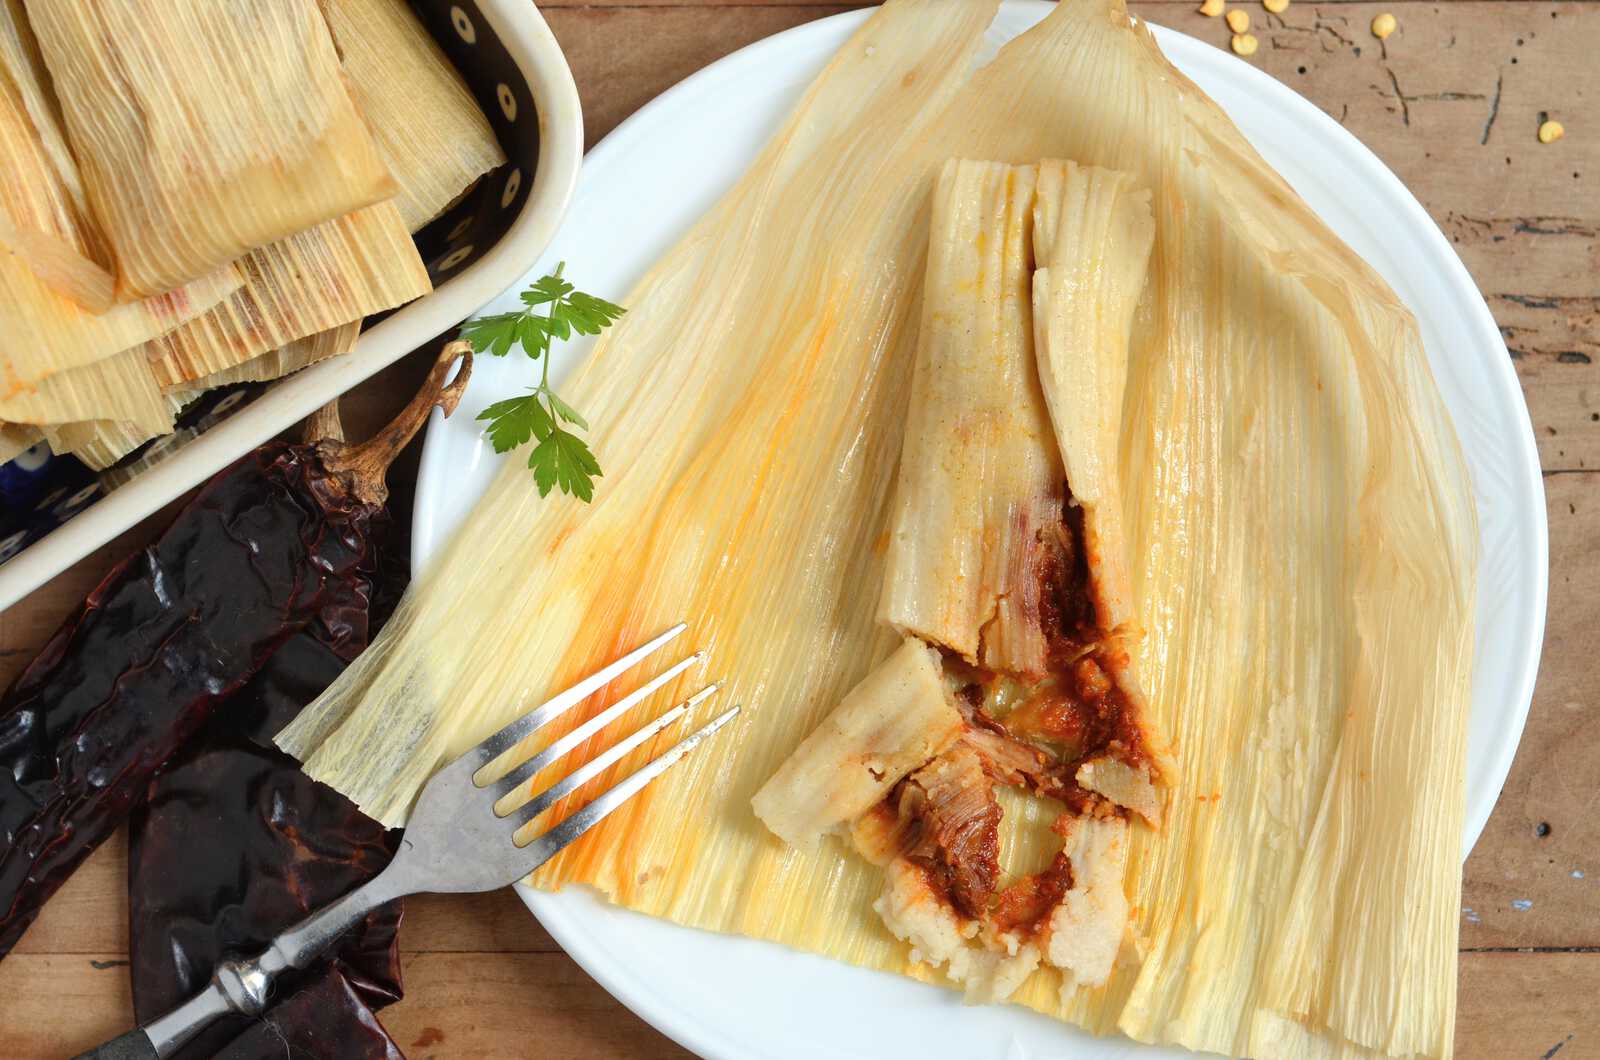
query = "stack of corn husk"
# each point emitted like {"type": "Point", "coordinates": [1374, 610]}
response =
{"type": "Point", "coordinates": [175, 220]}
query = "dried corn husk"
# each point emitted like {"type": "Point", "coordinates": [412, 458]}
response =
{"type": "Point", "coordinates": [119, 387]}
{"type": "Point", "coordinates": [980, 475]}
{"type": "Point", "coordinates": [52, 259]}
{"type": "Point", "coordinates": [101, 443]}
{"type": "Point", "coordinates": [16, 438]}
{"type": "Point", "coordinates": [1302, 548]}
{"type": "Point", "coordinates": [274, 364]}
{"type": "Point", "coordinates": [205, 129]}
{"type": "Point", "coordinates": [315, 281]}
{"type": "Point", "coordinates": [428, 127]}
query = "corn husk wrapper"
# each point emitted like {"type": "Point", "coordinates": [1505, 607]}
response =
{"type": "Point", "coordinates": [120, 387]}
{"type": "Point", "coordinates": [315, 281]}
{"type": "Point", "coordinates": [98, 443]}
{"type": "Point", "coordinates": [204, 129]}
{"type": "Point", "coordinates": [56, 309]}
{"type": "Point", "coordinates": [1302, 546]}
{"type": "Point", "coordinates": [980, 474]}
{"type": "Point", "coordinates": [275, 364]}
{"type": "Point", "coordinates": [17, 438]}
{"type": "Point", "coordinates": [101, 443]}
{"type": "Point", "coordinates": [429, 129]}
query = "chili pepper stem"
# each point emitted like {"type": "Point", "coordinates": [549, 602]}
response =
{"type": "Point", "coordinates": [365, 465]}
{"type": "Point", "coordinates": [324, 425]}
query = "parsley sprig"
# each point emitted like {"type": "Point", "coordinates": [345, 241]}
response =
{"type": "Point", "coordinates": [561, 458]}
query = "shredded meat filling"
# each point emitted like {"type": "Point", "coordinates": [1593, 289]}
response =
{"type": "Point", "coordinates": [951, 824]}
{"type": "Point", "coordinates": [1026, 905]}
{"type": "Point", "coordinates": [946, 819]}
{"type": "Point", "coordinates": [1082, 709]}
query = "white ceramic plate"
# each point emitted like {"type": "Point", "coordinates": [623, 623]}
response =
{"type": "Point", "coordinates": [650, 179]}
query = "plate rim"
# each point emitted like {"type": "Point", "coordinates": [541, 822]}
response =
{"type": "Point", "coordinates": [547, 907]}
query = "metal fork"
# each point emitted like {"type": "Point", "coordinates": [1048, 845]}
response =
{"type": "Point", "coordinates": [460, 839]}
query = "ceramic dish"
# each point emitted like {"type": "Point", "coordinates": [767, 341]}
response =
{"type": "Point", "coordinates": [475, 251]}
{"type": "Point", "coordinates": [738, 998]}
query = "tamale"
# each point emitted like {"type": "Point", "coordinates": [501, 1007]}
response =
{"type": "Point", "coordinates": [898, 718]}
{"type": "Point", "coordinates": [119, 387]}
{"type": "Point", "coordinates": [46, 220]}
{"type": "Point", "coordinates": [205, 129]}
{"type": "Point", "coordinates": [102, 442]}
{"type": "Point", "coordinates": [993, 555]}
{"type": "Point", "coordinates": [429, 130]}
{"type": "Point", "coordinates": [323, 278]}
{"type": "Point", "coordinates": [275, 364]}
{"type": "Point", "coordinates": [979, 475]}
{"type": "Point", "coordinates": [1302, 549]}
{"type": "Point", "coordinates": [17, 438]}
{"type": "Point", "coordinates": [55, 282]}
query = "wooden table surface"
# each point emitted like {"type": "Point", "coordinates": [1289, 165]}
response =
{"type": "Point", "coordinates": [1451, 103]}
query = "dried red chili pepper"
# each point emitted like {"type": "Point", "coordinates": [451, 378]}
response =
{"type": "Point", "coordinates": [233, 843]}
{"type": "Point", "coordinates": [268, 548]}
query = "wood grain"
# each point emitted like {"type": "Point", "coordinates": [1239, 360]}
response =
{"type": "Point", "coordinates": [1450, 103]}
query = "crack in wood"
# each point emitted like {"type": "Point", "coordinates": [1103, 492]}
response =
{"type": "Point", "coordinates": [1531, 301]}
{"type": "Point", "coordinates": [1494, 108]}
{"type": "Point", "coordinates": [1562, 226]}
{"type": "Point", "coordinates": [1558, 329]}
{"type": "Point", "coordinates": [1405, 106]}
{"type": "Point", "coordinates": [1531, 225]}
{"type": "Point", "coordinates": [1429, 97]}
{"type": "Point", "coordinates": [1556, 1048]}
{"type": "Point", "coordinates": [1532, 949]}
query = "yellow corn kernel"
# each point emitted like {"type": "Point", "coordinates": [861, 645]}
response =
{"type": "Point", "coordinates": [1383, 25]}
{"type": "Point", "coordinates": [1245, 44]}
{"type": "Point", "coordinates": [1239, 20]}
{"type": "Point", "coordinates": [1277, 7]}
{"type": "Point", "coordinates": [1551, 131]}
{"type": "Point", "coordinates": [1211, 8]}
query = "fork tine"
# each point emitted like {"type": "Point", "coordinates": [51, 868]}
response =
{"type": "Point", "coordinates": [539, 716]}
{"type": "Point", "coordinates": [543, 848]}
{"type": "Point", "coordinates": [589, 770]}
{"type": "Point", "coordinates": [517, 777]}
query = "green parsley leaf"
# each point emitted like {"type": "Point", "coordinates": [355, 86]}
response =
{"type": "Point", "coordinates": [563, 460]}
{"type": "Point", "coordinates": [493, 335]}
{"type": "Point", "coordinates": [560, 459]}
{"type": "Point", "coordinates": [514, 420]}
{"type": "Point", "coordinates": [588, 314]}
{"type": "Point", "coordinates": [566, 411]}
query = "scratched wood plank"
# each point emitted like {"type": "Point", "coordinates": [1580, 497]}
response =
{"type": "Point", "coordinates": [1526, 230]}
{"type": "Point", "coordinates": [661, 46]}
{"type": "Point", "coordinates": [90, 915]}
{"type": "Point", "coordinates": [1452, 102]}
{"type": "Point", "coordinates": [462, 1006]}
{"type": "Point", "coordinates": [1534, 879]}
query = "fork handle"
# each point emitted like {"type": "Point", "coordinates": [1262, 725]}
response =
{"type": "Point", "coordinates": [244, 986]}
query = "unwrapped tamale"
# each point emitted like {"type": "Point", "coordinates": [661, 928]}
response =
{"type": "Point", "coordinates": [1300, 532]}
